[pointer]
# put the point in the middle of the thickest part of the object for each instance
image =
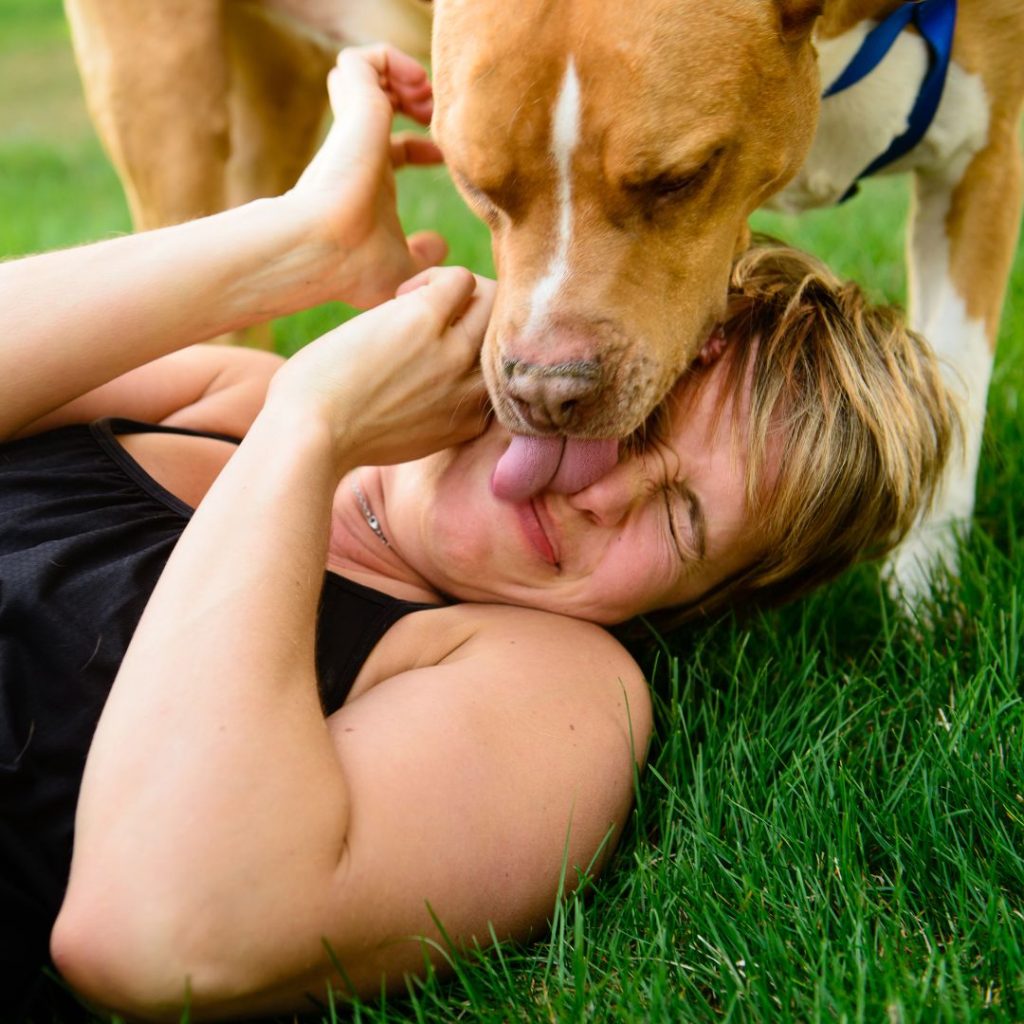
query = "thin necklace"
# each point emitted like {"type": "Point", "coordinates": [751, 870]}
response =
{"type": "Point", "coordinates": [371, 520]}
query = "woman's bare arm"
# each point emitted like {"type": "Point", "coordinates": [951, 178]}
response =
{"type": "Point", "coordinates": [465, 794]}
{"type": "Point", "coordinates": [216, 388]}
{"type": "Point", "coordinates": [80, 318]}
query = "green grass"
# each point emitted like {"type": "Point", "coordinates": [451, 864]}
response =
{"type": "Point", "coordinates": [832, 823]}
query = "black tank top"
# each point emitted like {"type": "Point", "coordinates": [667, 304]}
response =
{"type": "Point", "coordinates": [84, 535]}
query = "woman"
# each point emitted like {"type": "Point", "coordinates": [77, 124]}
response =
{"type": "Point", "coordinates": [295, 781]}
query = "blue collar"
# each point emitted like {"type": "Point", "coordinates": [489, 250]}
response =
{"type": "Point", "coordinates": [935, 20]}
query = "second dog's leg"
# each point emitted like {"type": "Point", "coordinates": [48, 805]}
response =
{"type": "Point", "coordinates": [961, 242]}
{"type": "Point", "coordinates": [277, 103]}
{"type": "Point", "coordinates": [155, 79]}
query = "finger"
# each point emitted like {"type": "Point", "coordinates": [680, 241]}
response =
{"type": "Point", "coordinates": [419, 109]}
{"type": "Point", "coordinates": [427, 249]}
{"type": "Point", "coordinates": [416, 150]}
{"type": "Point", "coordinates": [360, 72]}
{"type": "Point", "coordinates": [362, 110]}
{"type": "Point", "coordinates": [401, 68]}
{"type": "Point", "coordinates": [421, 280]}
{"type": "Point", "coordinates": [403, 79]}
{"type": "Point", "coordinates": [477, 313]}
{"type": "Point", "coordinates": [411, 92]}
{"type": "Point", "coordinates": [367, 86]}
{"type": "Point", "coordinates": [445, 290]}
{"type": "Point", "coordinates": [416, 281]}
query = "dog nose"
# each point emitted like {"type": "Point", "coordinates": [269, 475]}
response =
{"type": "Point", "coordinates": [546, 396]}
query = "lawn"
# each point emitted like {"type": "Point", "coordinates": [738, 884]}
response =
{"type": "Point", "coordinates": [832, 823]}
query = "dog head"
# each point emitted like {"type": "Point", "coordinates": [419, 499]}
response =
{"type": "Point", "coordinates": [616, 157]}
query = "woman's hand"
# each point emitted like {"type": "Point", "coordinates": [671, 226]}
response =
{"type": "Point", "coordinates": [84, 317]}
{"type": "Point", "coordinates": [348, 191]}
{"type": "Point", "coordinates": [400, 381]}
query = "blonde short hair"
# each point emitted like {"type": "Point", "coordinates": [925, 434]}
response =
{"type": "Point", "coordinates": [853, 406]}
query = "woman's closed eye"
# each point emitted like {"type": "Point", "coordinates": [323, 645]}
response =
{"type": "Point", "coordinates": [685, 521]}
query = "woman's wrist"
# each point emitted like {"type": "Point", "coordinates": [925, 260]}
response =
{"type": "Point", "coordinates": [294, 266]}
{"type": "Point", "coordinates": [306, 430]}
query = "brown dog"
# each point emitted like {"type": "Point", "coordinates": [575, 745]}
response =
{"type": "Point", "coordinates": [616, 158]}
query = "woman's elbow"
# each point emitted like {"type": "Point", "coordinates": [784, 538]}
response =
{"type": "Point", "coordinates": [104, 958]}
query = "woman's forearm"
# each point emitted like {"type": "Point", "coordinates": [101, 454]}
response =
{"type": "Point", "coordinates": [81, 317]}
{"type": "Point", "coordinates": [213, 748]}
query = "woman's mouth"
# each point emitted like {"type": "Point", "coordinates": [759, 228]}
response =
{"type": "Point", "coordinates": [530, 516]}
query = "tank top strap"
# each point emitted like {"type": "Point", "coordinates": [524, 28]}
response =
{"type": "Point", "coordinates": [105, 432]}
{"type": "Point", "coordinates": [112, 426]}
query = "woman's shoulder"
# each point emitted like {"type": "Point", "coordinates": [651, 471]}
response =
{"type": "Point", "coordinates": [493, 646]}
{"type": "Point", "coordinates": [544, 626]}
{"type": "Point", "coordinates": [525, 639]}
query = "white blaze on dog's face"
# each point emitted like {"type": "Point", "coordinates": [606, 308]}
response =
{"type": "Point", "coordinates": [565, 137]}
{"type": "Point", "coordinates": [616, 159]}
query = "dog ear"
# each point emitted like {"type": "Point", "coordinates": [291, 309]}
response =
{"type": "Point", "coordinates": [712, 349]}
{"type": "Point", "coordinates": [797, 18]}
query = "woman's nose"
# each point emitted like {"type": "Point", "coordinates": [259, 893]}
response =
{"type": "Point", "coordinates": [609, 499]}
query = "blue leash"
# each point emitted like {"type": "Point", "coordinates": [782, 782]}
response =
{"type": "Point", "coordinates": [936, 21]}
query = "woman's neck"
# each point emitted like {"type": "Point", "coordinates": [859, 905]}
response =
{"type": "Point", "coordinates": [360, 546]}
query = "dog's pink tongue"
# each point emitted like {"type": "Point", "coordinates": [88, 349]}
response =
{"type": "Point", "coordinates": [527, 466]}
{"type": "Point", "coordinates": [565, 465]}
{"type": "Point", "coordinates": [582, 463]}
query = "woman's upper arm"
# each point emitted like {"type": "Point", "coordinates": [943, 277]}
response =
{"type": "Point", "coordinates": [481, 786]}
{"type": "Point", "coordinates": [214, 388]}
{"type": "Point", "coordinates": [477, 789]}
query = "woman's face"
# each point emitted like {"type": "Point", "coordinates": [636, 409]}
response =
{"type": "Point", "coordinates": [661, 529]}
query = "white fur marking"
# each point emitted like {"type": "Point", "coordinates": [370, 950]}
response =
{"type": "Point", "coordinates": [961, 343]}
{"type": "Point", "coordinates": [565, 137]}
{"type": "Point", "coordinates": [858, 124]}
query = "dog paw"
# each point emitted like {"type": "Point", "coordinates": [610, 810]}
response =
{"type": "Point", "coordinates": [928, 556]}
